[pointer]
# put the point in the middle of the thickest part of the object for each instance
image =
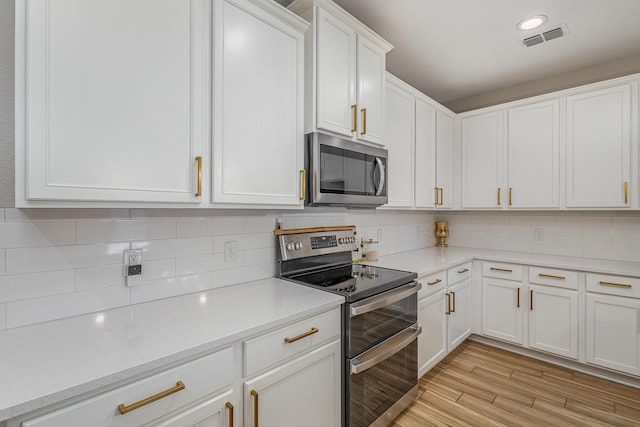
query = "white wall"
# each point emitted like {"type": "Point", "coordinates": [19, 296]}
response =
{"type": "Point", "coordinates": [603, 235]}
{"type": "Point", "coordinates": [56, 263]}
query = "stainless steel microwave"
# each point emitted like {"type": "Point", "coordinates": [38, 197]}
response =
{"type": "Point", "coordinates": [344, 173]}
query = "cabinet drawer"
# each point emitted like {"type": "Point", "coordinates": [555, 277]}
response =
{"type": "Point", "coordinates": [459, 273]}
{"type": "Point", "coordinates": [552, 277]}
{"type": "Point", "coordinates": [200, 377]}
{"type": "Point", "coordinates": [614, 285]}
{"type": "Point", "coordinates": [271, 348]}
{"type": "Point", "coordinates": [502, 271]}
{"type": "Point", "coordinates": [432, 283]}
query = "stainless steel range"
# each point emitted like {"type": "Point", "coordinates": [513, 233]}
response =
{"type": "Point", "coordinates": [379, 326]}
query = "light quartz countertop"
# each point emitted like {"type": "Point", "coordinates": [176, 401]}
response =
{"type": "Point", "coordinates": [49, 362]}
{"type": "Point", "coordinates": [432, 260]}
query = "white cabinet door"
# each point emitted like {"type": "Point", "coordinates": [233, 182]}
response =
{"type": "Point", "coordinates": [371, 93]}
{"type": "Point", "coordinates": [400, 118]}
{"type": "Point", "coordinates": [613, 332]}
{"type": "Point", "coordinates": [599, 148]}
{"type": "Point", "coordinates": [258, 102]}
{"type": "Point", "coordinates": [114, 99]}
{"type": "Point", "coordinates": [459, 314]}
{"type": "Point", "coordinates": [481, 147]}
{"type": "Point", "coordinates": [432, 342]}
{"type": "Point", "coordinates": [444, 159]}
{"type": "Point", "coordinates": [218, 411]}
{"type": "Point", "coordinates": [553, 320]}
{"type": "Point", "coordinates": [425, 159]}
{"type": "Point", "coordinates": [502, 311]}
{"type": "Point", "coordinates": [336, 75]}
{"type": "Point", "coordinates": [304, 392]}
{"type": "Point", "coordinates": [534, 156]}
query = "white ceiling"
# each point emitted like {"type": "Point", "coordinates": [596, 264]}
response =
{"type": "Point", "coordinates": [456, 49]}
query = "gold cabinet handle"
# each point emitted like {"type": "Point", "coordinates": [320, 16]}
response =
{"type": "Point", "coordinates": [299, 337]}
{"type": "Point", "coordinates": [255, 407]}
{"type": "Point", "coordinates": [199, 189]}
{"type": "Point", "coordinates": [303, 184]}
{"type": "Point", "coordinates": [364, 121]}
{"type": "Point", "coordinates": [125, 409]}
{"type": "Point", "coordinates": [464, 270]}
{"type": "Point", "coordinates": [499, 199]}
{"type": "Point", "coordinates": [354, 107]}
{"type": "Point", "coordinates": [437, 201]}
{"type": "Point", "coordinates": [551, 276]}
{"type": "Point", "coordinates": [619, 285]}
{"type": "Point", "coordinates": [531, 300]}
{"type": "Point", "coordinates": [441, 196]}
{"type": "Point", "coordinates": [501, 269]}
{"type": "Point", "coordinates": [518, 302]}
{"type": "Point", "coordinates": [230, 408]}
{"type": "Point", "coordinates": [626, 192]}
{"type": "Point", "coordinates": [510, 196]}
{"type": "Point", "coordinates": [448, 303]}
{"type": "Point", "coordinates": [435, 282]}
{"type": "Point", "coordinates": [453, 300]}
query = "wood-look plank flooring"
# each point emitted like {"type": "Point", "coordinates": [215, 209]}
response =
{"type": "Point", "coordinates": [479, 385]}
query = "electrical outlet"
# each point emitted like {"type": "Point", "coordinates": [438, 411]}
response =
{"type": "Point", "coordinates": [230, 249]}
{"type": "Point", "coordinates": [538, 234]}
{"type": "Point", "coordinates": [133, 266]}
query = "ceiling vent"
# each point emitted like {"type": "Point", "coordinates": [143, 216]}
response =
{"type": "Point", "coordinates": [544, 37]}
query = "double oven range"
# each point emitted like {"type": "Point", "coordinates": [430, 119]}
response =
{"type": "Point", "coordinates": [379, 320]}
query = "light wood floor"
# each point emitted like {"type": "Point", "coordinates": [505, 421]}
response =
{"type": "Point", "coordinates": [479, 385]}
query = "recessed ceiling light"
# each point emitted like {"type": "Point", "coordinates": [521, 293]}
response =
{"type": "Point", "coordinates": [531, 22]}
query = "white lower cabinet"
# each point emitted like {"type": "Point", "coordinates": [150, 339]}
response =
{"type": "Point", "coordinates": [613, 332]}
{"type": "Point", "coordinates": [502, 312]}
{"type": "Point", "coordinates": [553, 320]}
{"type": "Point", "coordinates": [303, 392]}
{"type": "Point", "coordinates": [459, 314]}
{"type": "Point", "coordinates": [217, 411]}
{"type": "Point", "coordinates": [432, 343]}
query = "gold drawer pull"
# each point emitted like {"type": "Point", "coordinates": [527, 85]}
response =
{"type": "Point", "coordinates": [551, 276]}
{"type": "Point", "coordinates": [453, 299]}
{"type": "Point", "coordinates": [364, 121]}
{"type": "Point", "coordinates": [499, 201]}
{"type": "Point", "coordinates": [199, 189]}
{"type": "Point", "coordinates": [435, 282]}
{"type": "Point", "coordinates": [463, 271]}
{"type": "Point", "coordinates": [504, 270]}
{"type": "Point", "coordinates": [531, 300]}
{"type": "Point", "coordinates": [303, 184]}
{"type": "Point", "coordinates": [518, 303]}
{"type": "Point", "coordinates": [299, 337]}
{"type": "Point", "coordinates": [510, 196]}
{"type": "Point", "coordinates": [437, 202]}
{"type": "Point", "coordinates": [230, 408]}
{"type": "Point", "coordinates": [626, 192]}
{"type": "Point", "coordinates": [125, 409]}
{"type": "Point", "coordinates": [354, 107]}
{"type": "Point", "coordinates": [255, 407]}
{"type": "Point", "coordinates": [619, 285]}
{"type": "Point", "coordinates": [448, 303]}
{"type": "Point", "coordinates": [440, 196]}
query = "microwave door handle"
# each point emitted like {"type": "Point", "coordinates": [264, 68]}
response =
{"type": "Point", "coordinates": [382, 175]}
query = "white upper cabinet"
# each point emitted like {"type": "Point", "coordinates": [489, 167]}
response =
{"type": "Point", "coordinates": [599, 148]}
{"type": "Point", "coordinates": [444, 159]}
{"type": "Point", "coordinates": [482, 160]}
{"type": "Point", "coordinates": [258, 138]}
{"type": "Point", "coordinates": [111, 100]}
{"type": "Point", "coordinates": [345, 73]}
{"type": "Point", "coordinates": [426, 155]}
{"type": "Point", "coordinates": [400, 118]}
{"type": "Point", "coordinates": [534, 155]}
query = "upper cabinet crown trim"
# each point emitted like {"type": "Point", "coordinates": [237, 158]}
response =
{"type": "Point", "coordinates": [299, 6]}
{"type": "Point", "coordinates": [280, 12]}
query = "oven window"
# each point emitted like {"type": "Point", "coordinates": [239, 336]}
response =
{"type": "Point", "coordinates": [346, 172]}
{"type": "Point", "coordinates": [368, 329]}
{"type": "Point", "coordinates": [372, 392]}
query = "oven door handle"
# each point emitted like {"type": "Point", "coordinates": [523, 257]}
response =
{"type": "Point", "coordinates": [384, 350]}
{"type": "Point", "coordinates": [386, 298]}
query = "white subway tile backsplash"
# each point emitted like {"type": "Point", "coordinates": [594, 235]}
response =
{"type": "Point", "coordinates": [158, 249]}
{"type": "Point", "coordinates": [119, 231]}
{"type": "Point", "coordinates": [198, 264]}
{"type": "Point", "coordinates": [158, 269]}
{"type": "Point", "coordinates": [3, 317]}
{"type": "Point", "coordinates": [31, 260]}
{"type": "Point", "coordinates": [101, 276]}
{"type": "Point", "coordinates": [233, 276]}
{"type": "Point", "coordinates": [64, 214]}
{"type": "Point", "coordinates": [164, 288]}
{"type": "Point", "coordinates": [40, 233]}
{"type": "Point", "coordinates": [24, 286]}
{"type": "Point", "coordinates": [198, 227]}
{"type": "Point", "coordinates": [245, 241]}
{"type": "Point", "coordinates": [260, 224]}
{"type": "Point", "coordinates": [35, 310]}
{"type": "Point", "coordinates": [2, 261]}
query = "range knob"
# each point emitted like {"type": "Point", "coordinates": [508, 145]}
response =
{"type": "Point", "coordinates": [297, 245]}
{"type": "Point", "coordinates": [289, 246]}
{"type": "Point", "coordinates": [341, 240]}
